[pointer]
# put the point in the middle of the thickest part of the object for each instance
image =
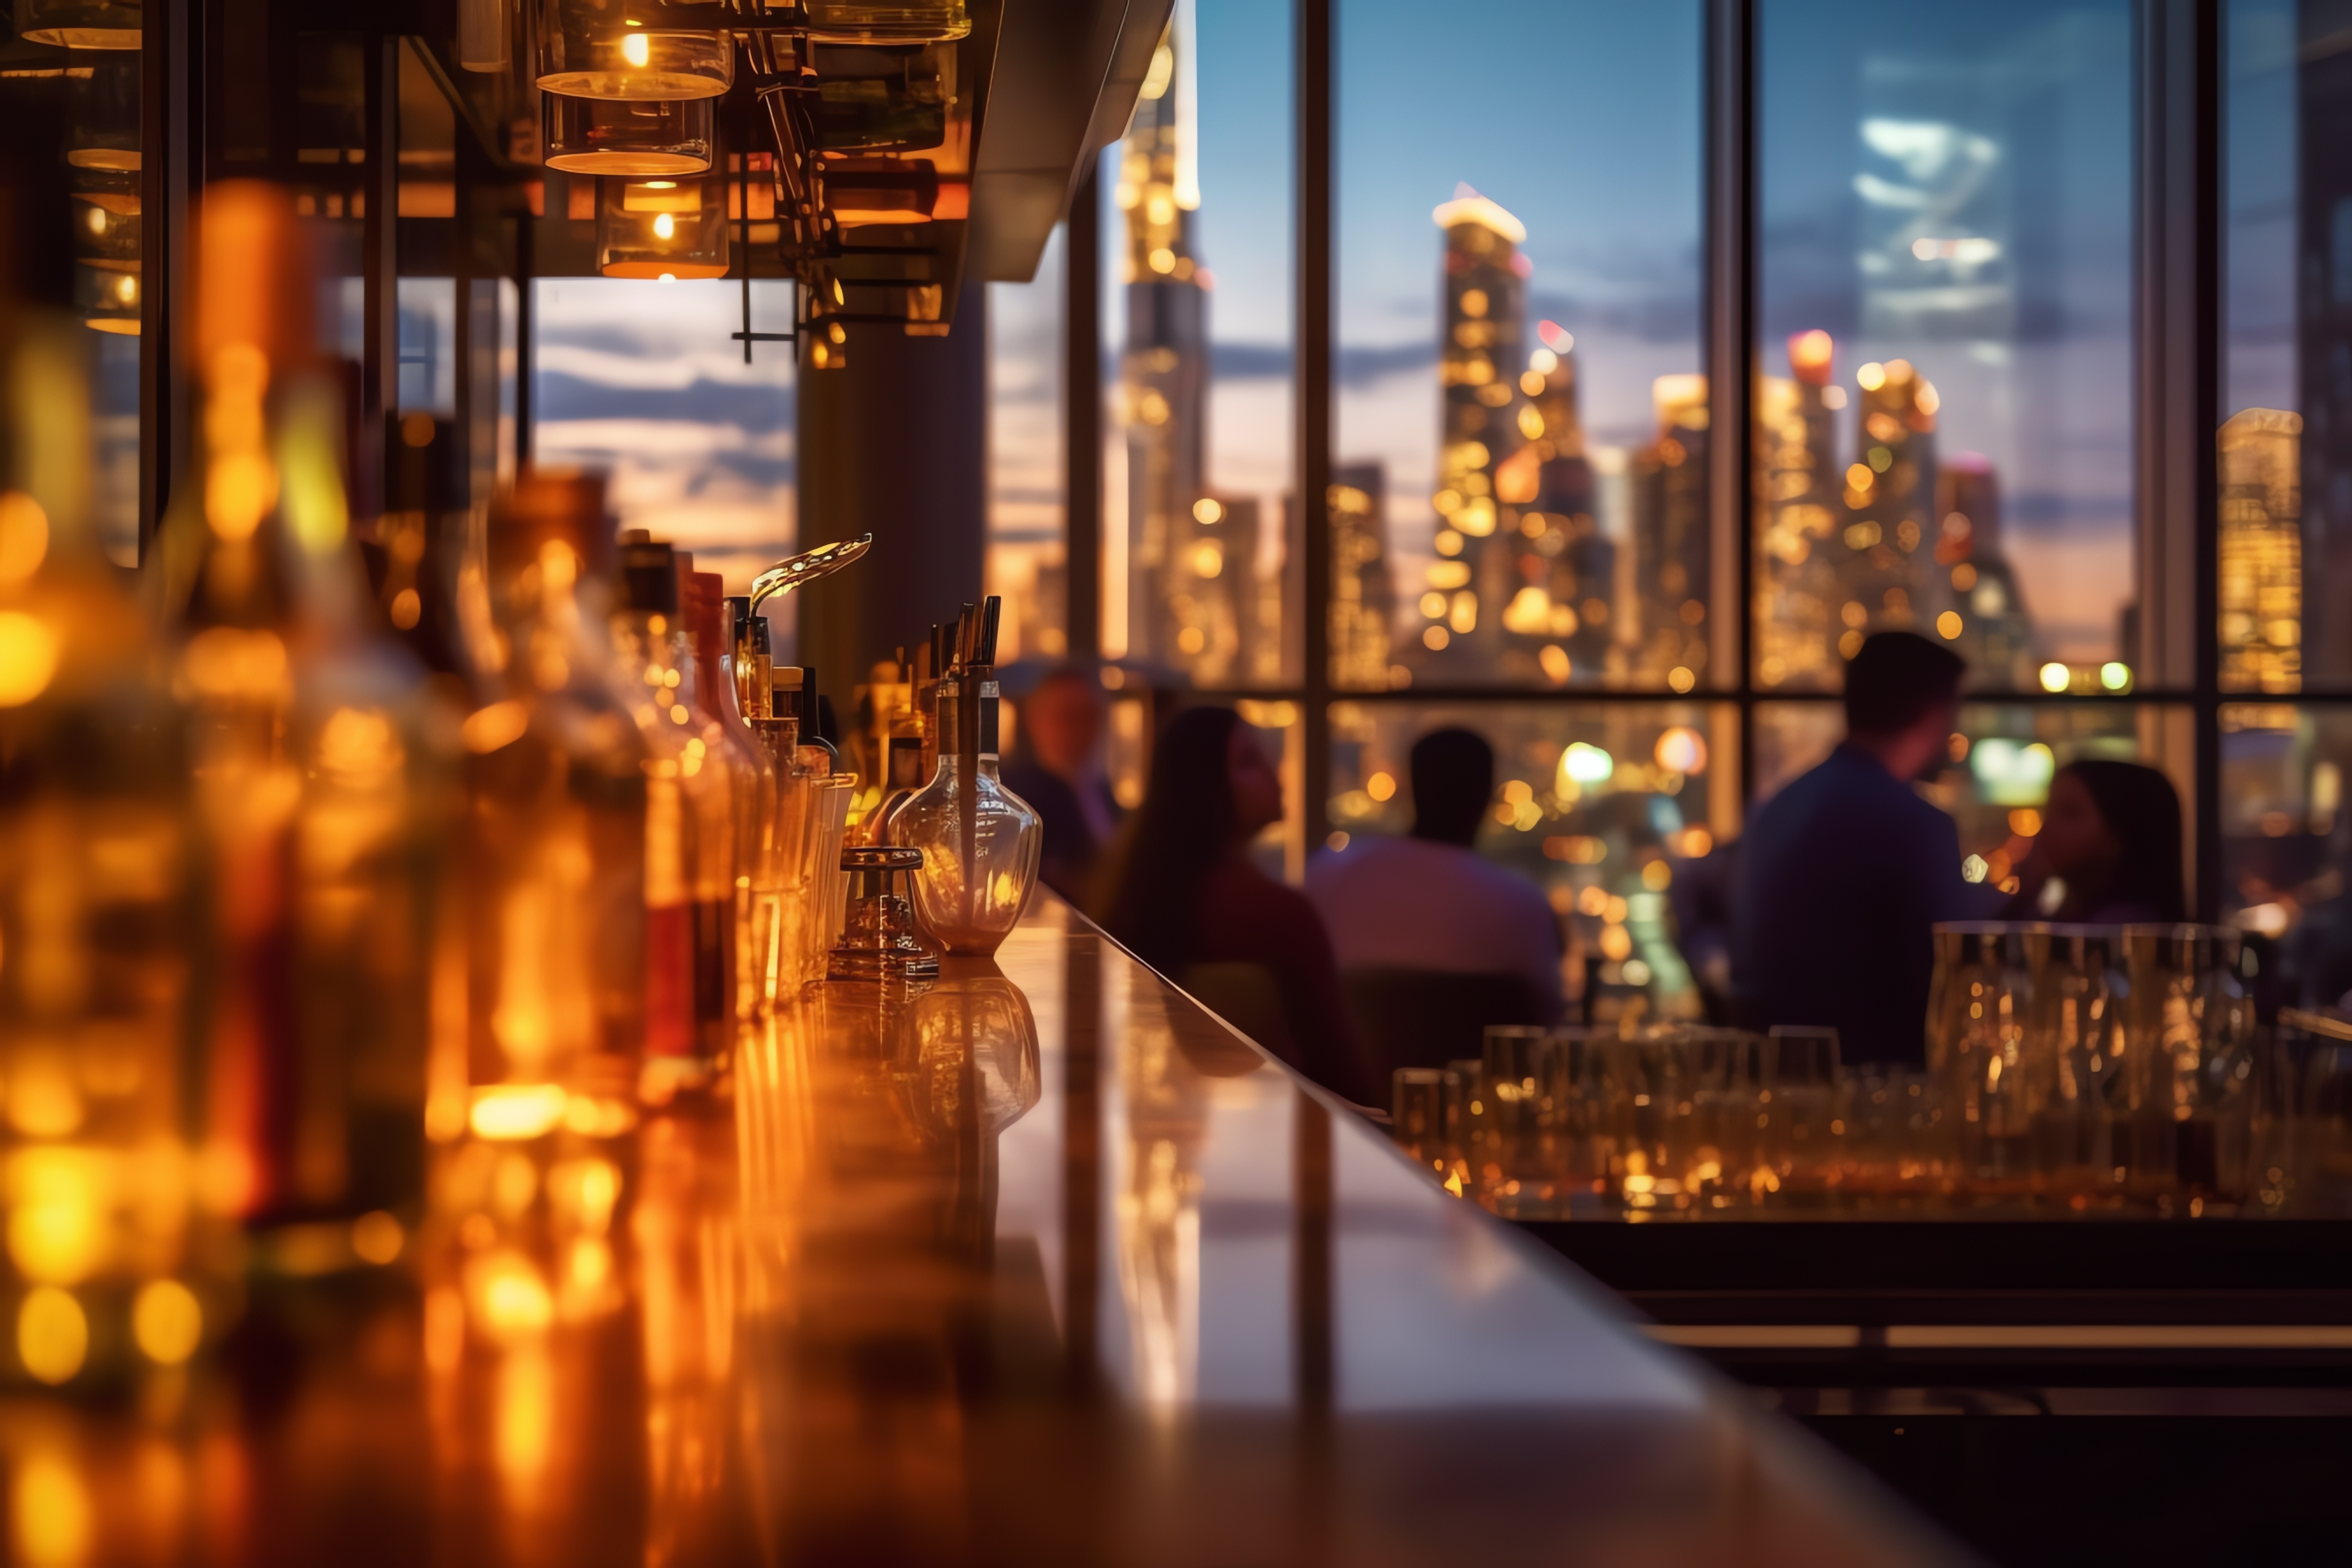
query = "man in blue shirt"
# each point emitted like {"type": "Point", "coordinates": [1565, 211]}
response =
{"type": "Point", "coordinates": [1844, 872]}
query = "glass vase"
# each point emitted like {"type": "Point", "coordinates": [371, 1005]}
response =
{"type": "Point", "coordinates": [980, 840]}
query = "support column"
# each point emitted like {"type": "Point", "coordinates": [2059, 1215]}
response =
{"type": "Point", "coordinates": [894, 444]}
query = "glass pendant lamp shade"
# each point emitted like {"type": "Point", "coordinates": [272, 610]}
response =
{"type": "Point", "coordinates": [102, 133]}
{"type": "Point", "coordinates": [603, 49]}
{"type": "Point", "coordinates": [482, 33]}
{"type": "Point", "coordinates": [627, 138]}
{"type": "Point", "coordinates": [886, 21]}
{"type": "Point", "coordinates": [80, 24]}
{"type": "Point", "coordinates": [102, 155]}
{"type": "Point", "coordinates": [662, 229]}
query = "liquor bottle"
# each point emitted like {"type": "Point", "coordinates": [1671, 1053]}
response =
{"type": "Point", "coordinates": [528, 1096]}
{"type": "Point", "coordinates": [321, 775]}
{"type": "Point", "coordinates": [755, 772]}
{"type": "Point", "coordinates": [690, 824]}
{"type": "Point", "coordinates": [980, 840]}
{"type": "Point", "coordinates": [554, 855]}
{"type": "Point", "coordinates": [95, 907]}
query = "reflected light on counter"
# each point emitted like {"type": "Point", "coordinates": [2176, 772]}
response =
{"type": "Point", "coordinates": [525, 1422]}
{"type": "Point", "coordinates": [28, 658]}
{"type": "Point", "coordinates": [168, 1322]}
{"type": "Point", "coordinates": [376, 1237]}
{"type": "Point", "coordinates": [52, 1334]}
{"type": "Point", "coordinates": [518, 1112]}
{"type": "Point", "coordinates": [508, 1297]}
{"type": "Point", "coordinates": [50, 1515]}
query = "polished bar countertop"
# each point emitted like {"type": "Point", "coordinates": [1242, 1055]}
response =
{"type": "Point", "coordinates": [1041, 1264]}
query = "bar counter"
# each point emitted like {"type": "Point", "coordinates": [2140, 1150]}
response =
{"type": "Point", "coordinates": [1042, 1263]}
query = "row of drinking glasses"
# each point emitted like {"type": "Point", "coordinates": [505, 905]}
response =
{"type": "Point", "coordinates": [1674, 1118]}
{"type": "Point", "coordinates": [2092, 1062]}
{"type": "Point", "coordinates": [2072, 1066]}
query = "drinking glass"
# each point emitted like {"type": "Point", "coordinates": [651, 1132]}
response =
{"type": "Point", "coordinates": [1470, 1124]}
{"type": "Point", "coordinates": [2188, 1063]}
{"type": "Point", "coordinates": [2304, 1150]}
{"type": "Point", "coordinates": [1417, 1116]}
{"type": "Point", "coordinates": [1803, 1128]}
{"type": "Point", "coordinates": [1520, 1072]}
{"type": "Point", "coordinates": [1978, 1048]}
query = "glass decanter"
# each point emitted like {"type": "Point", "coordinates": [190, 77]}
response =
{"type": "Point", "coordinates": [979, 841]}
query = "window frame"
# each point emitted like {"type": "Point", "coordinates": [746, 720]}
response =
{"type": "Point", "coordinates": [2176, 363]}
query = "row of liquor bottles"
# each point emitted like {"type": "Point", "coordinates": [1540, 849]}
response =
{"type": "Point", "coordinates": [303, 945]}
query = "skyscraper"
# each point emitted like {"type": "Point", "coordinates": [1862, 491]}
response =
{"type": "Point", "coordinates": [1672, 541]}
{"type": "Point", "coordinates": [1363, 600]}
{"type": "Point", "coordinates": [1797, 626]}
{"type": "Point", "coordinates": [1989, 627]}
{"type": "Point", "coordinates": [1885, 580]}
{"type": "Point", "coordinates": [2261, 550]}
{"type": "Point", "coordinates": [1476, 573]}
{"type": "Point", "coordinates": [1558, 616]}
{"type": "Point", "coordinates": [1174, 617]}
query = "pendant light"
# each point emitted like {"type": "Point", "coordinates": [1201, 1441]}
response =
{"type": "Point", "coordinates": [80, 24]}
{"type": "Point", "coordinates": [613, 48]}
{"type": "Point", "coordinates": [637, 138]}
{"type": "Point", "coordinates": [662, 229]}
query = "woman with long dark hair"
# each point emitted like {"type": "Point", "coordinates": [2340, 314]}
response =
{"type": "Point", "coordinates": [1181, 892]}
{"type": "Point", "coordinates": [2110, 841]}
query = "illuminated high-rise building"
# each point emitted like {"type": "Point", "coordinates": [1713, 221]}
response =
{"type": "Point", "coordinates": [1363, 600]}
{"type": "Point", "coordinates": [1558, 617]}
{"type": "Point", "coordinates": [1480, 357]}
{"type": "Point", "coordinates": [1672, 541]}
{"type": "Point", "coordinates": [2261, 550]}
{"type": "Point", "coordinates": [1989, 625]}
{"type": "Point", "coordinates": [1885, 551]}
{"type": "Point", "coordinates": [1797, 601]}
{"type": "Point", "coordinates": [1174, 616]}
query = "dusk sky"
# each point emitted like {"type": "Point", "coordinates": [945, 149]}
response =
{"type": "Point", "coordinates": [1583, 119]}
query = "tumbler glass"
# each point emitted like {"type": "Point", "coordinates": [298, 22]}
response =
{"type": "Point", "coordinates": [1803, 1130]}
{"type": "Point", "coordinates": [2190, 1065]}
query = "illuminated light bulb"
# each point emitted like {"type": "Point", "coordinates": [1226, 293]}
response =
{"type": "Point", "coordinates": [1681, 749]}
{"type": "Point", "coordinates": [28, 658]}
{"type": "Point", "coordinates": [1584, 764]}
{"type": "Point", "coordinates": [24, 536]}
{"type": "Point", "coordinates": [1681, 678]}
{"type": "Point", "coordinates": [1380, 786]}
{"type": "Point", "coordinates": [1948, 625]}
{"type": "Point", "coordinates": [636, 49]}
{"type": "Point", "coordinates": [1871, 377]}
{"type": "Point", "coordinates": [1206, 510]}
{"type": "Point", "coordinates": [168, 1322]}
{"type": "Point", "coordinates": [518, 1112]}
{"type": "Point", "coordinates": [2116, 676]}
{"type": "Point", "coordinates": [52, 1334]}
{"type": "Point", "coordinates": [49, 1514]}
{"type": "Point", "coordinates": [2055, 677]}
{"type": "Point", "coordinates": [665, 228]}
{"type": "Point", "coordinates": [377, 1237]}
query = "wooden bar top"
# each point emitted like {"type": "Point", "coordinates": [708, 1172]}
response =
{"type": "Point", "coordinates": [1041, 1264]}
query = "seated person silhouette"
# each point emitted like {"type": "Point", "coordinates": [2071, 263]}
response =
{"type": "Point", "coordinates": [1431, 903]}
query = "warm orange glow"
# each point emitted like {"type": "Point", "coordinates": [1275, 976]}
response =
{"type": "Point", "coordinates": [24, 537]}
{"type": "Point", "coordinates": [52, 1334]}
{"type": "Point", "coordinates": [1810, 357]}
{"type": "Point", "coordinates": [518, 1110]}
{"type": "Point", "coordinates": [28, 658]}
{"type": "Point", "coordinates": [168, 1322]}
{"type": "Point", "coordinates": [50, 1515]}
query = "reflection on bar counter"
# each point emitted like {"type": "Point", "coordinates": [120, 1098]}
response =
{"type": "Point", "coordinates": [2070, 1071]}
